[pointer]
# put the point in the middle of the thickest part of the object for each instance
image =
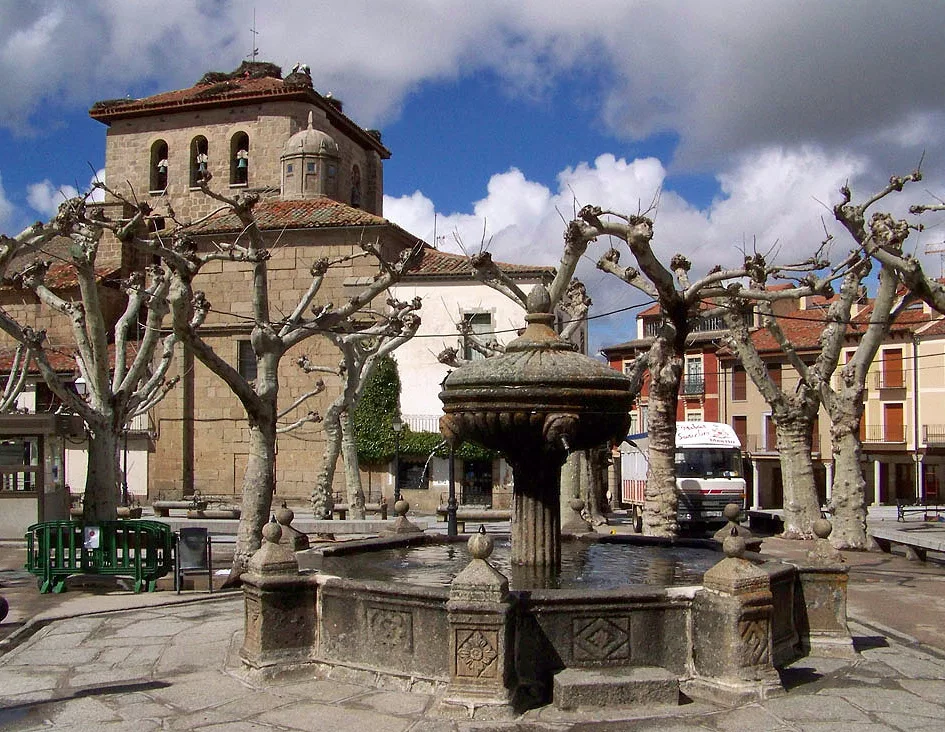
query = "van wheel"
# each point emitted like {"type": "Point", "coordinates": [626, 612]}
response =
{"type": "Point", "coordinates": [636, 516]}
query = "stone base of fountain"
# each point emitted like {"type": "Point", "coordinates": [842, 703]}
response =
{"type": "Point", "coordinates": [490, 652]}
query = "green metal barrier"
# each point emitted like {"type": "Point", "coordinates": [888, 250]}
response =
{"type": "Point", "coordinates": [141, 549]}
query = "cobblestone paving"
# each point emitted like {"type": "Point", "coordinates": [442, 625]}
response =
{"type": "Point", "coordinates": [177, 668]}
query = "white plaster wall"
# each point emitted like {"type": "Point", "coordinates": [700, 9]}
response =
{"type": "Point", "coordinates": [443, 304]}
{"type": "Point", "coordinates": [77, 465]}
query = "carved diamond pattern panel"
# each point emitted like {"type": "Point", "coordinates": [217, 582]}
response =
{"type": "Point", "coordinates": [601, 639]}
{"type": "Point", "coordinates": [476, 653]}
{"type": "Point", "coordinates": [754, 635]}
{"type": "Point", "coordinates": [391, 628]}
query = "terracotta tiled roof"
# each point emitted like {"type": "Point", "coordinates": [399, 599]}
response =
{"type": "Point", "coordinates": [59, 356]}
{"type": "Point", "coordinates": [63, 276]}
{"type": "Point", "coordinates": [236, 91]}
{"type": "Point", "coordinates": [435, 264]}
{"type": "Point", "coordinates": [801, 327]}
{"type": "Point", "coordinates": [310, 213]}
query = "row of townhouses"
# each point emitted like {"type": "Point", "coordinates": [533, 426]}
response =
{"type": "Point", "coordinates": [903, 428]}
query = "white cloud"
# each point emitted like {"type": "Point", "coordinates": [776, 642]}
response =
{"type": "Point", "coordinates": [45, 197]}
{"type": "Point", "coordinates": [773, 199]}
{"type": "Point", "coordinates": [6, 208]}
{"type": "Point", "coordinates": [725, 76]}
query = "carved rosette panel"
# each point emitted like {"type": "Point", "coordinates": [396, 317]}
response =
{"type": "Point", "coordinates": [601, 639]}
{"type": "Point", "coordinates": [390, 628]}
{"type": "Point", "coordinates": [476, 653]}
{"type": "Point", "coordinates": [754, 637]}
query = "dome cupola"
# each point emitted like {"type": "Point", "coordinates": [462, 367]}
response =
{"type": "Point", "coordinates": [310, 164]}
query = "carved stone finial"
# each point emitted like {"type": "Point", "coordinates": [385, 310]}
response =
{"type": "Point", "coordinates": [538, 301]}
{"type": "Point", "coordinates": [272, 532]}
{"type": "Point", "coordinates": [480, 544]}
{"type": "Point", "coordinates": [401, 507]}
{"type": "Point", "coordinates": [822, 528]}
{"type": "Point", "coordinates": [734, 546]}
{"type": "Point", "coordinates": [823, 552]}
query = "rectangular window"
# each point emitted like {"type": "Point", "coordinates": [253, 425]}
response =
{"type": "Point", "coordinates": [694, 382]}
{"type": "Point", "coordinates": [246, 360]}
{"type": "Point", "coordinates": [739, 384]}
{"type": "Point", "coordinates": [740, 425]}
{"type": "Point", "coordinates": [771, 434]}
{"type": "Point", "coordinates": [893, 423]}
{"type": "Point", "coordinates": [774, 371]}
{"type": "Point", "coordinates": [893, 377]}
{"type": "Point", "coordinates": [480, 326]}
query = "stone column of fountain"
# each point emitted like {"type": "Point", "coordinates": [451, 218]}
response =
{"type": "Point", "coordinates": [535, 403]}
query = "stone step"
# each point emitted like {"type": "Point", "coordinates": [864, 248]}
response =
{"type": "Point", "coordinates": [576, 688]}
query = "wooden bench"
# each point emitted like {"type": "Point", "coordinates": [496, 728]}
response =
{"type": "Point", "coordinates": [475, 515]}
{"type": "Point", "coordinates": [925, 510]}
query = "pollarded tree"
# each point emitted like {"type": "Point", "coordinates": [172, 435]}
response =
{"type": "Point", "coordinates": [795, 411]}
{"type": "Point", "coordinates": [272, 336]}
{"type": "Point", "coordinates": [882, 236]}
{"type": "Point", "coordinates": [125, 376]}
{"type": "Point", "coordinates": [679, 298]}
{"type": "Point", "coordinates": [361, 351]}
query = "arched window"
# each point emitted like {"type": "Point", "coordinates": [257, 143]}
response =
{"type": "Point", "coordinates": [356, 187]}
{"type": "Point", "coordinates": [239, 159]}
{"type": "Point", "coordinates": [158, 168]}
{"type": "Point", "coordinates": [199, 160]}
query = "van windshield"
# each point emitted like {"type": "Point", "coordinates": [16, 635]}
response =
{"type": "Point", "coordinates": [709, 462]}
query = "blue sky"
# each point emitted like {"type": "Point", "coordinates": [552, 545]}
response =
{"type": "Point", "coordinates": [745, 116]}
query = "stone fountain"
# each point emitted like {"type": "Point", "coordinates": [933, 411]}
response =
{"type": "Point", "coordinates": [490, 650]}
{"type": "Point", "coordinates": [536, 403]}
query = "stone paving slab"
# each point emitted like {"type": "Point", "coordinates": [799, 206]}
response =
{"type": "Point", "coordinates": [199, 686]}
{"type": "Point", "coordinates": [173, 665]}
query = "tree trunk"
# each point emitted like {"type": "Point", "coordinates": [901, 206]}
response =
{"type": "Point", "coordinates": [349, 453]}
{"type": "Point", "coordinates": [660, 501]}
{"type": "Point", "coordinates": [322, 498]}
{"type": "Point", "coordinates": [847, 501]}
{"type": "Point", "coordinates": [258, 488]}
{"type": "Point", "coordinates": [801, 505]}
{"type": "Point", "coordinates": [102, 491]}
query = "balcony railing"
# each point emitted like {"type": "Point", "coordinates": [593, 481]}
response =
{"type": "Point", "coordinates": [422, 422]}
{"type": "Point", "coordinates": [769, 443]}
{"type": "Point", "coordinates": [933, 434]}
{"type": "Point", "coordinates": [884, 434]}
{"type": "Point", "coordinates": [887, 380]}
{"type": "Point", "coordinates": [140, 424]}
{"type": "Point", "coordinates": [693, 385]}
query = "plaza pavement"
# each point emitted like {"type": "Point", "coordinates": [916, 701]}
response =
{"type": "Point", "coordinates": [172, 663]}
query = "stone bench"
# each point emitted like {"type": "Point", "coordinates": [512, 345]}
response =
{"type": "Point", "coordinates": [339, 511]}
{"type": "Point", "coordinates": [232, 512]}
{"type": "Point", "coordinates": [916, 543]}
{"type": "Point", "coordinates": [164, 508]}
{"type": "Point", "coordinates": [476, 515]}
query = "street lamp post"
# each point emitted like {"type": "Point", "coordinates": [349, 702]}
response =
{"type": "Point", "coordinates": [451, 528]}
{"type": "Point", "coordinates": [397, 426]}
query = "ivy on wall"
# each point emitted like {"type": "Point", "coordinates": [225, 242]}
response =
{"type": "Point", "coordinates": [375, 413]}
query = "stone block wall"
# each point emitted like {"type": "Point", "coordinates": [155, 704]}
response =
{"type": "Point", "coordinates": [221, 431]}
{"type": "Point", "coordinates": [268, 125]}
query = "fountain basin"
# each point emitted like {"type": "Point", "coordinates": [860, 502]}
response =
{"type": "Point", "coordinates": [397, 634]}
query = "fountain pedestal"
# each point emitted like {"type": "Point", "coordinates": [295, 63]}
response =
{"type": "Point", "coordinates": [536, 403]}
